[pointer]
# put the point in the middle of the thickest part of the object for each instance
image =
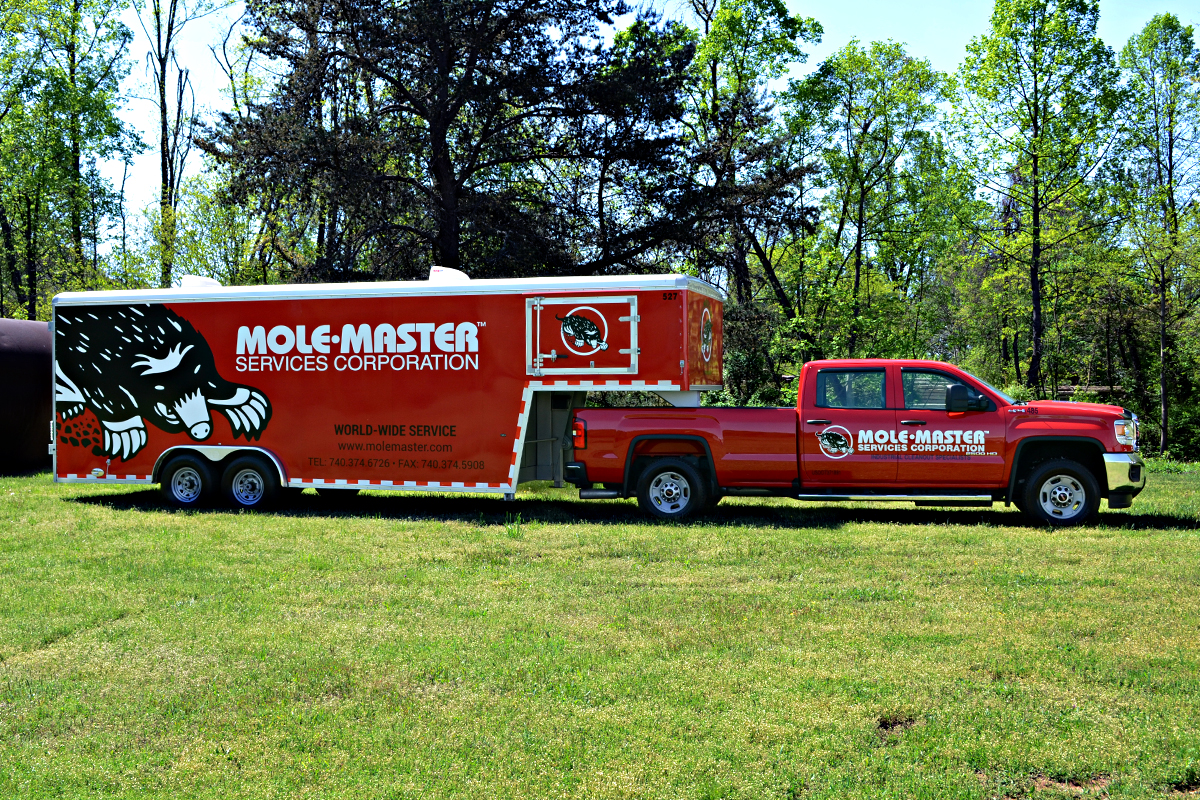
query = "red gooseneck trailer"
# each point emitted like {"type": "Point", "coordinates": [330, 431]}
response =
{"type": "Point", "coordinates": [449, 384]}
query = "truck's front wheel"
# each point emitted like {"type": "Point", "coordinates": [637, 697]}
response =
{"type": "Point", "coordinates": [1061, 492]}
{"type": "Point", "coordinates": [670, 488]}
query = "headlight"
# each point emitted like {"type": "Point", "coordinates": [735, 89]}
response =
{"type": "Point", "coordinates": [1126, 430]}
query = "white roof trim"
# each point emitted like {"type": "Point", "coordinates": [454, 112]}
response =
{"type": "Point", "coordinates": [608, 283]}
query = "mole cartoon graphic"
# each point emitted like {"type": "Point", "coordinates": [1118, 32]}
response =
{"type": "Point", "coordinates": [585, 332]}
{"type": "Point", "coordinates": [136, 364]}
{"type": "Point", "coordinates": [706, 336]}
{"type": "Point", "coordinates": [835, 444]}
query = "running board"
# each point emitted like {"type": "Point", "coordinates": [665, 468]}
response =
{"type": "Point", "coordinates": [921, 499]}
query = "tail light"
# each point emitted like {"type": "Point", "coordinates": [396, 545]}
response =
{"type": "Point", "coordinates": [579, 434]}
{"type": "Point", "coordinates": [1126, 430]}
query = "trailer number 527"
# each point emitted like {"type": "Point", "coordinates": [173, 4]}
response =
{"type": "Point", "coordinates": [670, 295]}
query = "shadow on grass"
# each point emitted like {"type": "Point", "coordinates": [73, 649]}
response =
{"type": "Point", "coordinates": [493, 511]}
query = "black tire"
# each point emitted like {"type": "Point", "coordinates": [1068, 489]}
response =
{"type": "Point", "coordinates": [1061, 493]}
{"type": "Point", "coordinates": [187, 481]}
{"type": "Point", "coordinates": [670, 488]}
{"type": "Point", "coordinates": [251, 483]}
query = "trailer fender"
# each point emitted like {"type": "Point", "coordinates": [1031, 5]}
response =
{"type": "Point", "coordinates": [217, 454]}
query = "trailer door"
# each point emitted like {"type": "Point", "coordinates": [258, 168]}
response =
{"type": "Point", "coordinates": [593, 335]}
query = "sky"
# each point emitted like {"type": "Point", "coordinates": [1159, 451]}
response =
{"type": "Point", "coordinates": [937, 30]}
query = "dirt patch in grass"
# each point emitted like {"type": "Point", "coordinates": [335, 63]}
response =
{"type": "Point", "coordinates": [1085, 788]}
{"type": "Point", "coordinates": [893, 724]}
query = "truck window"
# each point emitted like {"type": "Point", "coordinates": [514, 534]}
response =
{"type": "Point", "coordinates": [850, 389]}
{"type": "Point", "coordinates": [927, 389]}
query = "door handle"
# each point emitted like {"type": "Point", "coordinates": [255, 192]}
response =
{"type": "Point", "coordinates": [816, 422]}
{"type": "Point", "coordinates": [912, 422]}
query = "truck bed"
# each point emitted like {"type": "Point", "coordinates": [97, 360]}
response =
{"type": "Point", "coordinates": [749, 447]}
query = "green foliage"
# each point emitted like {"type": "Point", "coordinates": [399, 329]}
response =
{"type": "Point", "coordinates": [63, 63]}
{"type": "Point", "coordinates": [1018, 391]}
{"type": "Point", "coordinates": [1167, 464]}
{"type": "Point", "coordinates": [1000, 219]}
{"type": "Point", "coordinates": [1034, 122]}
{"type": "Point", "coordinates": [1157, 194]}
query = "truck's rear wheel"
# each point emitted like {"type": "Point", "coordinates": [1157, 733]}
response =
{"type": "Point", "coordinates": [250, 482]}
{"type": "Point", "coordinates": [1061, 492]}
{"type": "Point", "coordinates": [187, 481]}
{"type": "Point", "coordinates": [670, 488]}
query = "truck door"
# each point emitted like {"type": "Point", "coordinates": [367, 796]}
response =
{"type": "Point", "coordinates": [846, 428]}
{"type": "Point", "coordinates": [948, 449]}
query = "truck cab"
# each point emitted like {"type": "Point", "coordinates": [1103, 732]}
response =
{"type": "Point", "coordinates": [869, 429]}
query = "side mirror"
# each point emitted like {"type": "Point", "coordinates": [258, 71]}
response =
{"type": "Point", "coordinates": [956, 397]}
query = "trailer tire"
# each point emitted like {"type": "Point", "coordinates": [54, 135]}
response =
{"type": "Point", "coordinates": [670, 488]}
{"type": "Point", "coordinates": [187, 481]}
{"type": "Point", "coordinates": [250, 483]}
{"type": "Point", "coordinates": [1061, 492]}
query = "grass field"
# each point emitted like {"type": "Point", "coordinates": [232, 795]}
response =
{"type": "Point", "coordinates": [415, 647]}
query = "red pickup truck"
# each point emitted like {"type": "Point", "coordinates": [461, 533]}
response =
{"type": "Point", "coordinates": [868, 429]}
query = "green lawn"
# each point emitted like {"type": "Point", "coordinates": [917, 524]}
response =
{"type": "Point", "coordinates": [415, 647]}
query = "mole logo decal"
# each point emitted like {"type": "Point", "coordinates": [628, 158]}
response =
{"type": "Point", "coordinates": [706, 334]}
{"type": "Point", "coordinates": [835, 442]}
{"type": "Point", "coordinates": [584, 330]}
{"type": "Point", "coordinates": [135, 364]}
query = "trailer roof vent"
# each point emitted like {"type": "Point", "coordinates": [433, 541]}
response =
{"type": "Point", "coordinates": [197, 282]}
{"type": "Point", "coordinates": [447, 275]}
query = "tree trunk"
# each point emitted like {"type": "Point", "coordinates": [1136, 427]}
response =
{"type": "Point", "coordinates": [450, 221]}
{"type": "Point", "coordinates": [76, 184]}
{"type": "Point", "coordinates": [741, 268]}
{"type": "Point", "coordinates": [33, 213]}
{"type": "Point", "coordinates": [1163, 354]}
{"type": "Point", "coordinates": [1033, 374]}
{"type": "Point", "coordinates": [10, 252]}
{"type": "Point", "coordinates": [764, 261]}
{"type": "Point", "coordinates": [166, 190]}
{"type": "Point", "coordinates": [858, 261]}
{"type": "Point", "coordinates": [1016, 357]}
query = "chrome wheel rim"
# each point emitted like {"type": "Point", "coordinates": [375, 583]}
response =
{"type": "Point", "coordinates": [187, 485]}
{"type": "Point", "coordinates": [1062, 496]}
{"type": "Point", "coordinates": [248, 486]}
{"type": "Point", "coordinates": [670, 492]}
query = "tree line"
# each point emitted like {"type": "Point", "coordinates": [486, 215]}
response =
{"type": "Point", "coordinates": [1031, 216]}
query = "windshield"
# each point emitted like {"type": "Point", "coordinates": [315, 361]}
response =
{"type": "Point", "coordinates": [1010, 400]}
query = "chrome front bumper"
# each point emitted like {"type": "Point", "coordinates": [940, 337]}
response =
{"type": "Point", "coordinates": [1126, 473]}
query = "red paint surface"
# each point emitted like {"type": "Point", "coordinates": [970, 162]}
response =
{"type": "Point", "coordinates": [759, 447]}
{"type": "Point", "coordinates": [419, 419]}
